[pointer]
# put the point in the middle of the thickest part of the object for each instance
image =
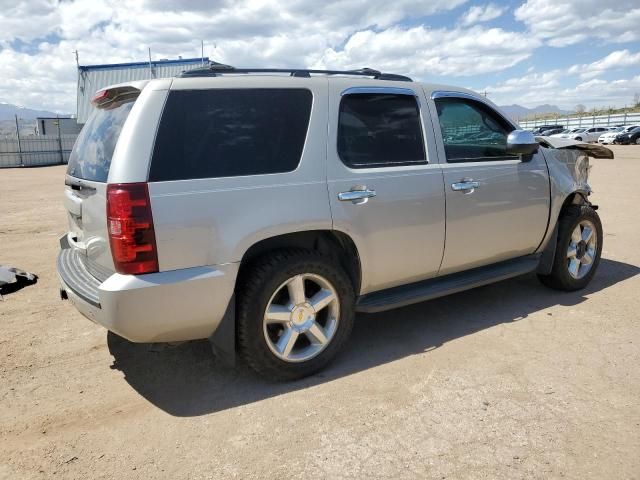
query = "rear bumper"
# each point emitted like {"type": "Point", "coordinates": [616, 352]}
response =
{"type": "Point", "coordinates": [184, 304]}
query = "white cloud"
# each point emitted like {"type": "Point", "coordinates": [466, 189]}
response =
{"type": "Point", "coordinates": [39, 37]}
{"type": "Point", "coordinates": [481, 13]}
{"type": "Point", "coordinates": [426, 52]}
{"type": "Point", "coordinates": [566, 22]}
{"type": "Point", "coordinates": [554, 87]}
{"type": "Point", "coordinates": [615, 60]}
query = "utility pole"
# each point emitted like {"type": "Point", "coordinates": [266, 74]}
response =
{"type": "Point", "coordinates": [19, 144]}
{"type": "Point", "coordinates": [59, 140]}
{"type": "Point", "coordinates": [150, 65]}
{"type": "Point", "coordinates": [202, 51]}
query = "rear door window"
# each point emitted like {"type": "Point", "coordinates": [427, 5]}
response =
{"type": "Point", "coordinates": [380, 130]}
{"type": "Point", "coordinates": [230, 132]}
{"type": "Point", "coordinates": [90, 158]}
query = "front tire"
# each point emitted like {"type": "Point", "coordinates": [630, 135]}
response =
{"type": "Point", "coordinates": [295, 313]}
{"type": "Point", "coordinates": [578, 249]}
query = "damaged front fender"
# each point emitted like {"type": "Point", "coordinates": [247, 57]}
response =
{"type": "Point", "coordinates": [569, 167]}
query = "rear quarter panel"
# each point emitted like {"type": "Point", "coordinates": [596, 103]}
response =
{"type": "Point", "coordinates": [214, 221]}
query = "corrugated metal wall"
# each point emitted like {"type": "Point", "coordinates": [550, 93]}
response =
{"type": "Point", "coordinates": [35, 150]}
{"type": "Point", "coordinates": [94, 77]}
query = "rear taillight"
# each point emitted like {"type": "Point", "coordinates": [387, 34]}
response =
{"type": "Point", "coordinates": [130, 226]}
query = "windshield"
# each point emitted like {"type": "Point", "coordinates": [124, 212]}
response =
{"type": "Point", "coordinates": [90, 158]}
{"type": "Point", "coordinates": [579, 130]}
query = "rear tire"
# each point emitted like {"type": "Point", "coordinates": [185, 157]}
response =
{"type": "Point", "coordinates": [578, 250]}
{"type": "Point", "coordinates": [295, 313]}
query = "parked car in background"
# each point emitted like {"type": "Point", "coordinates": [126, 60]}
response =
{"type": "Point", "coordinates": [565, 133]}
{"type": "Point", "coordinates": [608, 137]}
{"type": "Point", "coordinates": [542, 128]}
{"type": "Point", "coordinates": [590, 134]}
{"type": "Point", "coordinates": [628, 138]}
{"type": "Point", "coordinates": [552, 131]}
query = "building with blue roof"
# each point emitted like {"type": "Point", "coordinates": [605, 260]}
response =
{"type": "Point", "coordinates": [92, 78]}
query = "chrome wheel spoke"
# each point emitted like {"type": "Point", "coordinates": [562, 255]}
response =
{"type": "Point", "coordinates": [576, 235]}
{"type": "Point", "coordinates": [296, 290]}
{"type": "Point", "coordinates": [586, 234]}
{"type": "Point", "coordinates": [587, 259]}
{"type": "Point", "coordinates": [316, 334]}
{"type": "Point", "coordinates": [321, 299]}
{"type": "Point", "coordinates": [287, 341]}
{"type": "Point", "coordinates": [574, 266]}
{"type": "Point", "coordinates": [572, 251]}
{"type": "Point", "coordinates": [277, 314]}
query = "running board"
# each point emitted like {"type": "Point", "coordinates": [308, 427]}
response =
{"type": "Point", "coordinates": [440, 286]}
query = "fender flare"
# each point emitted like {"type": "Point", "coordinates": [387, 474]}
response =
{"type": "Point", "coordinates": [578, 197]}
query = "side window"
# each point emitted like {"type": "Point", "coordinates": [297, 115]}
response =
{"type": "Point", "coordinates": [472, 131]}
{"type": "Point", "coordinates": [230, 132]}
{"type": "Point", "coordinates": [380, 130]}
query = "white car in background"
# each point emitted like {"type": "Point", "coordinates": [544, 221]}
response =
{"type": "Point", "coordinates": [567, 132]}
{"type": "Point", "coordinates": [587, 135]}
{"type": "Point", "coordinates": [608, 137]}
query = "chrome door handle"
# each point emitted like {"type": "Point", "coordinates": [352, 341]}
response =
{"type": "Point", "coordinates": [466, 186]}
{"type": "Point", "coordinates": [357, 195]}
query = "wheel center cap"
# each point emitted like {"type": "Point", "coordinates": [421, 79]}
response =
{"type": "Point", "coordinates": [302, 315]}
{"type": "Point", "coordinates": [581, 249]}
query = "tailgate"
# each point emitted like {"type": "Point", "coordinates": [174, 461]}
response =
{"type": "Point", "coordinates": [86, 179]}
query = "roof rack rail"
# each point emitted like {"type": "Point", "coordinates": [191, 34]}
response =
{"type": "Point", "coordinates": [215, 69]}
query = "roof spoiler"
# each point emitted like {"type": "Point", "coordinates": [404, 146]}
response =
{"type": "Point", "coordinates": [110, 96]}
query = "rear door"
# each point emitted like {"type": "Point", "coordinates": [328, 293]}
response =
{"type": "Point", "coordinates": [86, 182]}
{"type": "Point", "coordinates": [385, 184]}
{"type": "Point", "coordinates": [497, 205]}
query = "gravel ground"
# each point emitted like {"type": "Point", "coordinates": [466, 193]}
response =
{"type": "Point", "coordinates": [507, 381]}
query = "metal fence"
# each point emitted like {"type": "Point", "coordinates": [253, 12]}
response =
{"type": "Point", "coordinates": [585, 121]}
{"type": "Point", "coordinates": [34, 150]}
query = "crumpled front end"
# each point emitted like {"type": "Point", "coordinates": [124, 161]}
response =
{"type": "Point", "coordinates": [569, 167]}
{"type": "Point", "coordinates": [568, 162]}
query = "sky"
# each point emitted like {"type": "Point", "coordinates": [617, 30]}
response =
{"type": "Point", "coordinates": [529, 52]}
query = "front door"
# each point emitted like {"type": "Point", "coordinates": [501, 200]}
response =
{"type": "Point", "coordinates": [497, 205]}
{"type": "Point", "coordinates": [385, 185]}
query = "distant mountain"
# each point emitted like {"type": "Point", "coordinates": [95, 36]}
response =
{"type": "Point", "coordinates": [518, 111]}
{"type": "Point", "coordinates": [8, 112]}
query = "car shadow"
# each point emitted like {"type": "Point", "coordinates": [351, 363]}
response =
{"type": "Point", "coordinates": [185, 380]}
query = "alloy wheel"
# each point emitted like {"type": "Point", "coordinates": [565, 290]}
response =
{"type": "Point", "coordinates": [301, 317]}
{"type": "Point", "coordinates": [582, 249]}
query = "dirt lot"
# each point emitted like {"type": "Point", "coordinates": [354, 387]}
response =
{"type": "Point", "coordinates": [507, 381]}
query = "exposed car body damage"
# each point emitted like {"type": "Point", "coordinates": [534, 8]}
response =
{"type": "Point", "coordinates": [568, 164]}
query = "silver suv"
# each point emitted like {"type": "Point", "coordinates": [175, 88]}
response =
{"type": "Point", "coordinates": [262, 208]}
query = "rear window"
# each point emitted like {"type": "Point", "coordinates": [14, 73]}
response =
{"type": "Point", "coordinates": [230, 132]}
{"type": "Point", "coordinates": [90, 158]}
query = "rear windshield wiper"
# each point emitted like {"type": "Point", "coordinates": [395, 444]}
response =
{"type": "Point", "coordinates": [77, 183]}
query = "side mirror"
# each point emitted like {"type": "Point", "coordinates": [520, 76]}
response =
{"type": "Point", "coordinates": [521, 142]}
